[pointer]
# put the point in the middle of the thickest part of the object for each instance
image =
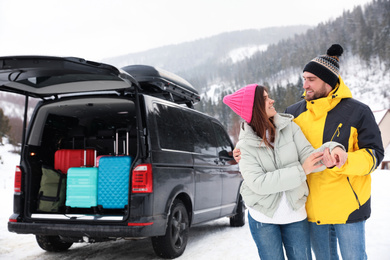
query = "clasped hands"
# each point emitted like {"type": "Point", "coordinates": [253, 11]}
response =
{"type": "Point", "coordinates": [330, 159]}
{"type": "Point", "coordinates": [337, 158]}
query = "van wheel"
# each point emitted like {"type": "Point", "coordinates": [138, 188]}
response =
{"type": "Point", "coordinates": [52, 243]}
{"type": "Point", "coordinates": [174, 242]}
{"type": "Point", "coordinates": [238, 220]}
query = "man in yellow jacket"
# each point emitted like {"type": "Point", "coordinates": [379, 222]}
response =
{"type": "Point", "coordinates": [339, 200]}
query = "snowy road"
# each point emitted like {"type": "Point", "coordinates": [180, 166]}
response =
{"type": "Point", "coordinates": [214, 240]}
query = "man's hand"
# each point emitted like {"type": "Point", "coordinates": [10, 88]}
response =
{"type": "Point", "coordinates": [340, 156]}
{"type": "Point", "coordinates": [237, 154]}
{"type": "Point", "coordinates": [337, 157]}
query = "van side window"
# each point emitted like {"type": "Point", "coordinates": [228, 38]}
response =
{"type": "Point", "coordinates": [225, 149]}
{"type": "Point", "coordinates": [204, 139]}
{"type": "Point", "coordinates": [172, 128]}
{"type": "Point", "coordinates": [184, 130]}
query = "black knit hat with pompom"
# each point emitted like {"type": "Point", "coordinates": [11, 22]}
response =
{"type": "Point", "coordinates": [326, 67]}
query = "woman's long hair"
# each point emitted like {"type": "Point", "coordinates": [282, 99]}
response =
{"type": "Point", "coordinates": [260, 122]}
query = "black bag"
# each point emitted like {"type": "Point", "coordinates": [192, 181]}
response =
{"type": "Point", "coordinates": [52, 193]}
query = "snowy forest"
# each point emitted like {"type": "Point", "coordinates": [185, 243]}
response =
{"type": "Point", "coordinates": [274, 57]}
{"type": "Point", "coordinates": [363, 32]}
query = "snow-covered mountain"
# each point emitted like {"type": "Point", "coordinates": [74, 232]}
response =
{"type": "Point", "coordinates": [275, 57]}
{"type": "Point", "coordinates": [369, 84]}
{"type": "Point", "coordinates": [206, 64]}
{"type": "Point", "coordinates": [187, 56]}
{"type": "Point", "coordinates": [13, 105]}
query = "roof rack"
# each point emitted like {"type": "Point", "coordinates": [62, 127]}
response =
{"type": "Point", "coordinates": [163, 84]}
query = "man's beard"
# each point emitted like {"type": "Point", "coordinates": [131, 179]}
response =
{"type": "Point", "coordinates": [320, 93]}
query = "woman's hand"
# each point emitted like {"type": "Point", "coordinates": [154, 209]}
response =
{"type": "Point", "coordinates": [237, 154]}
{"type": "Point", "coordinates": [312, 162]}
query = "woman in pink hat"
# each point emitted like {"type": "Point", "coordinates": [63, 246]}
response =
{"type": "Point", "coordinates": [275, 159]}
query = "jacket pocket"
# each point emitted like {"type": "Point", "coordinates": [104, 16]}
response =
{"type": "Point", "coordinates": [356, 196]}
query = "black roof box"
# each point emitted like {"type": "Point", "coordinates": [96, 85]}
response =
{"type": "Point", "coordinates": [163, 84]}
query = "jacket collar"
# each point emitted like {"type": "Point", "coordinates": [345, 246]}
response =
{"type": "Point", "coordinates": [323, 105]}
{"type": "Point", "coordinates": [281, 120]}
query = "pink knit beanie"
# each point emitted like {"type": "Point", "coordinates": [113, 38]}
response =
{"type": "Point", "coordinates": [241, 101]}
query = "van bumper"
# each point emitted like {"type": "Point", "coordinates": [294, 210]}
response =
{"type": "Point", "coordinates": [83, 230]}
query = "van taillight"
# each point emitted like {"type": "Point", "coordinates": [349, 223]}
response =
{"type": "Point", "coordinates": [18, 180]}
{"type": "Point", "coordinates": [142, 180]}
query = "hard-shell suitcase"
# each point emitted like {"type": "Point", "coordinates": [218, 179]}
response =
{"type": "Point", "coordinates": [113, 180]}
{"type": "Point", "coordinates": [81, 188]}
{"type": "Point", "coordinates": [67, 158]}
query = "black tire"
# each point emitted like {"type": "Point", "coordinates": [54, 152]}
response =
{"type": "Point", "coordinates": [174, 242]}
{"type": "Point", "coordinates": [238, 220]}
{"type": "Point", "coordinates": [52, 243]}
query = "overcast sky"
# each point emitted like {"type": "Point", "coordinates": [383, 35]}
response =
{"type": "Point", "coordinates": [97, 29]}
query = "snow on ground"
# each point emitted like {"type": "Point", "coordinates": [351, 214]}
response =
{"type": "Point", "coordinates": [213, 240]}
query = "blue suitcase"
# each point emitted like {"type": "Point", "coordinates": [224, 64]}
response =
{"type": "Point", "coordinates": [81, 187]}
{"type": "Point", "coordinates": [113, 181]}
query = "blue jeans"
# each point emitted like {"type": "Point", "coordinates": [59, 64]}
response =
{"type": "Point", "coordinates": [351, 238]}
{"type": "Point", "coordinates": [270, 238]}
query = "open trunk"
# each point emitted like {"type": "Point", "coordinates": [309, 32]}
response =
{"type": "Point", "coordinates": [83, 123]}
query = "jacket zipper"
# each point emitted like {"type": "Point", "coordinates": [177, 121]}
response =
{"type": "Point", "coordinates": [356, 196]}
{"type": "Point", "coordinates": [337, 131]}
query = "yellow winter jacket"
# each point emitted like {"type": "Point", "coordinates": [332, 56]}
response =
{"type": "Point", "coordinates": [338, 196]}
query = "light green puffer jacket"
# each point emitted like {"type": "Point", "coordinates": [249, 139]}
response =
{"type": "Point", "coordinates": [268, 172]}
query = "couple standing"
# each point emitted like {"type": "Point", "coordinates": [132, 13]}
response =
{"type": "Point", "coordinates": [299, 197]}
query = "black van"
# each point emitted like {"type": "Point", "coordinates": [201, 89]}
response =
{"type": "Point", "coordinates": [181, 171]}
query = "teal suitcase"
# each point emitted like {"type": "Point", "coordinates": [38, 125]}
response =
{"type": "Point", "coordinates": [113, 183]}
{"type": "Point", "coordinates": [81, 187]}
{"type": "Point", "coordinates": [114, 174]}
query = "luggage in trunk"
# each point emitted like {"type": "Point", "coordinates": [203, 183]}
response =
{"type": "Point", "coordinates": [67, 158]}
{"type": "Point", "coordinates": [51, 197]}
{"type": "Point", "coordinates": [114, 173]}
{"type": "Point", "coordinates": [113, 183]}
{"type": "Point", "coordinates": [81, 188]}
